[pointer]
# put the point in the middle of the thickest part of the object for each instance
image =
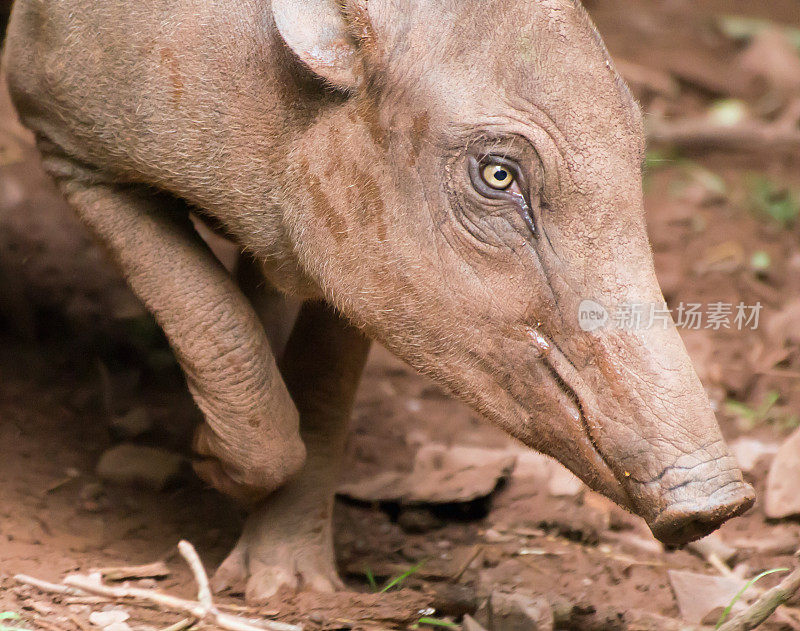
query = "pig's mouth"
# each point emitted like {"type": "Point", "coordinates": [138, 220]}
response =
{"type": "Point", "coordinates": [566, 377]}
{"type": "Point", "coordinates": [674, 518]}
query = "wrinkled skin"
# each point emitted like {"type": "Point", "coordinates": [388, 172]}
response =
{"type": "Point", "coordinates": [343, 146]}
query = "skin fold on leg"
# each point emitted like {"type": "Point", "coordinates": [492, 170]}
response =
{"type": "Point", "coordinates": [250, 442]}
{"type": "Point", "coordinates": [287, 542]}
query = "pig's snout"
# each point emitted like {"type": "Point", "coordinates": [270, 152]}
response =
{"type": "Point", "coordinates": [698, 505]}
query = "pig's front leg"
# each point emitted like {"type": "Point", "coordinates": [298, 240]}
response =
{"type": "Point", "coordinates": [288, 542]}
{"type": "Point", "coordinates": [250, 443]}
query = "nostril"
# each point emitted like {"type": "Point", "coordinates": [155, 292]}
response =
{"type": "Point", "coordinates": [687, 522]}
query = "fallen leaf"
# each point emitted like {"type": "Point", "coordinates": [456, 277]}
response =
{"type": "Point", "coordinates": [441, 475]}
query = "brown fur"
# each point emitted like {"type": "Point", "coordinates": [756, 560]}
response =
{"type": "Point", "coordinates": [419, 129]}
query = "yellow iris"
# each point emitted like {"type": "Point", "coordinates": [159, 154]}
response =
{"type": "Point", "coordinates": [497, 176]}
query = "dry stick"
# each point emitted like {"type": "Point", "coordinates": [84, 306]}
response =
{"type": "Point", "coordinates": [166, 601]}
{"type": "Point", "coordinates": [227, 621]}
{"type": "Point", "coordinates": [748, 135]}
{"type": "Point", "coordinates": [191, 607]}
{"type": "Point", "coordinates": [84, 600]}
{"type": "Point", "coordinates": [158, 569]}
{"type": "Point", "coordinates": [204, 610]}
{"type": "Point", "coordinates": [44, 586]}
{"type": "Point", "coordinates": [191, 557]}
{"type": "Point", "coordinates": [718, 564]}
{"type": "Point", "coordinates": [767, 603]}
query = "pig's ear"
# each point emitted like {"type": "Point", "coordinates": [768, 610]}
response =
{"type": "Point", "coordinates": [318, 33]}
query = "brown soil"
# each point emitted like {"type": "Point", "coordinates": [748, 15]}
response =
{"type": "Point", "coordinates": [74, 353]}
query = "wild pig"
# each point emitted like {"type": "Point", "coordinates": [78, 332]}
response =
{"type": "Point", "coordinates": [449, 177]}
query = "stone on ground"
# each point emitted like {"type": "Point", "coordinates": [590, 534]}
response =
{"type": "Point", "coordinates": [782, 497]}
{"type": "Point", "coordinates": [748, 451]}
{"type": "Point", "coordinates": [517, 612]}
{"type": "Point", "coordinates": [133, 423]}
{"type": "Point", "coordinates": [470, 624]}
{"type": "Point", "coordinates": [139, 465]}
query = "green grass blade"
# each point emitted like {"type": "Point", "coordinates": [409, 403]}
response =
{"type": "Point", "coordinates": [749, 584]}
{"type": "Point", "coordinates": [373, 585]}
{"type": "Point", "coordinates": [740, 409]}
{"type": "Point", "coordinates": [769, 402]}
{"type": "Point", "coordinates": [435, 622]}
{"type": "Point", "coordinates": [399, 579]}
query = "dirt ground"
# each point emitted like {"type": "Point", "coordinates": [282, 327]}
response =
{"type": "Point", "coordinates": [76, 352]}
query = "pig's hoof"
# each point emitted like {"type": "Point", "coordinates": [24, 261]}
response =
{"type": "Point", "coordinates": [266, 560]}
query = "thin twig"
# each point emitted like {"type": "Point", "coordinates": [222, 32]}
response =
{"type": "Point", "coordinates": [166, 601]}
{"type": "Point", "coordinates": [158, 569]}
{"type": "Point", "coordinates": [181, 625]}
{"type": "Point", "coordinates": [699, 134]}
{"type": "Point", "coordinates": [225, 620]}
{"type": "Point", "coordinates": [44, 586]}
{"type": "Point", "coordinates": [476, 550]}
{"type": "Point", "coordinates": [202, 610]}
{"type": "Point", "coordinates": [718, 564]}
{"type": "Point", "coordinates": [84, 600]}
{"type": "Point", "coordinates": [201, 578]}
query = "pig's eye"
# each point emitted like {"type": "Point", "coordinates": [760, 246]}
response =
{"type": "Point", "coordinates": [494, 176]}
{"type": "Point", "coordinates": [497, 176]}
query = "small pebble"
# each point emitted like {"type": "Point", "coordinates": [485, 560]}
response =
{"type": "Point", "coordinates": [139, 465]}
{"type": "Point", "coordinates": [107, 618]}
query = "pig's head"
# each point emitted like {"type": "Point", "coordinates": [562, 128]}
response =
{"type": "Point", "coordinates": [476, 179]}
